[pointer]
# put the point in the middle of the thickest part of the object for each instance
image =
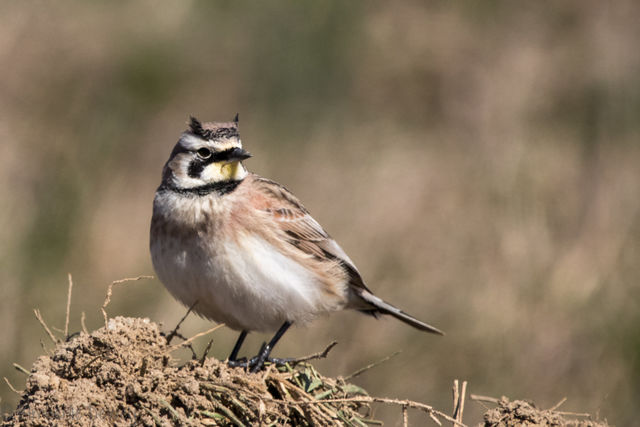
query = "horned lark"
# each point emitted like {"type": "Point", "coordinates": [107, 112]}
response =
{"type": "Point", "coordinates": [243, 248]}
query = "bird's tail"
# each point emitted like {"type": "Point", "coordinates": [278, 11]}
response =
{"type": "Point", "coordinates": [386, 308]}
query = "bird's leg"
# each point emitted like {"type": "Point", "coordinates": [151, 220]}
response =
{"type": "Point", "coordinates": [258, 361]}
{"type": "Point", "coordinates": [243, 362]}
{"type": "Point", "coordinates": [233, 357]}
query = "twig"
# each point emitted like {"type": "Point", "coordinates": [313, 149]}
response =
{"type": "Point", "coordinates": [175, 415]}
{"type": "Point", "coordinates": [371, 365]}
{"type": "Point", "coordinates": [12, 387]}
{"type": "Point", "coordinates": [557, 405]}
{"type": "Point", "coordinates": [44, 347]}
{"type": "Point", "coordinates": [369, 399]}
{"type": "Point", "coordinates": [194, 354]}
{"type": "Point", "coordinates": [458, 399]}
{"type": "Point", "coordinates": [89, 363]}
{"type": "Point", "coordinates": [185, 343]}
{"type": "Point", "coordinates": [320, 355]}
{"type": "Point", "coordinates": [44, 325]}
{"type": "Point", "coordinates": [405, 416]}
{"type": "Point", "coordinates": [462, 397]}
{"type": "Point", "coordinates": [229, 414]}
{"type": "Point", "coordinates": [21, 369]}
{"type": "Point", "coordinates": [173, 333]}
{"type": "Point", "coordinates": [481, 398]}
{"type": "Point", "coordinates": [206, 351]}
{"type": "Point", "coordinates": [83, 317]}
{"type": "Point", "coordinates": [107, 299]}
{"type": "Point", "coordinates": [267, 372]}
{"type": "Point", "coordinates": [436, 420]}
{"type": "Point", "coordinates": [573, 414]}
{"type": "Point", "coordinates": [294, 401]}
{"type": "Point", "coordinates": [66, 320]}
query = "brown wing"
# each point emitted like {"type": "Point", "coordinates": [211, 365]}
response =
{"type": "Point", "coordinates": [301, 229]}
{"type": "Point", "coordinates": [304, 233]}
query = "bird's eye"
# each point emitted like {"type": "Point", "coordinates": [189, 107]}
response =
{"type": "Point", "coordinates": [204, 153]}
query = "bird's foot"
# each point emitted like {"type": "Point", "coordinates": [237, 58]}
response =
{"type": "Point", "coordinates": [257, 362]}
{"type": "Point", "coordinates": [254, 365]}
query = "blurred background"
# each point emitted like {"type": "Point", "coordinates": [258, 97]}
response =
{"type": "Point", "coordinates": [479, 162]}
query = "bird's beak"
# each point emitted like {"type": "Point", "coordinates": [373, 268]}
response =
{"type": "Point", "coordinates": [238, 154]}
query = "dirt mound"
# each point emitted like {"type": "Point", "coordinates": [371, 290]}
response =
{"type": "Point", "coordinates": [523, 413]}
{"type": "Point", "coordinates": [124, 374]}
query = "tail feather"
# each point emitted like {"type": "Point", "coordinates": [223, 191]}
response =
{"type": "Point", "coordinates": [386, 308]}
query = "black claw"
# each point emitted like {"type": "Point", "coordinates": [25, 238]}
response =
{"type": "Point", "coordinates": [256, 363]}
{"type": "Point", "coordinates": [238, 363]}
{"type": "Point", "coordinates": [279, 361]}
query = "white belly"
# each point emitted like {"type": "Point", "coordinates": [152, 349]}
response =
{"type": "Point", "coordinates": [246, 283]}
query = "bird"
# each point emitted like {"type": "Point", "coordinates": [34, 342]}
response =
{"type": "Point", "coordinates": [242, 250]}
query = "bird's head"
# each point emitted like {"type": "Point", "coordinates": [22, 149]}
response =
{"type": "Point", "coordinates": [206, 154]}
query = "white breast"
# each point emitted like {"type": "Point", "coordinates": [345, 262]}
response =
{"type": "Point", "coordinates": [245, 283]}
